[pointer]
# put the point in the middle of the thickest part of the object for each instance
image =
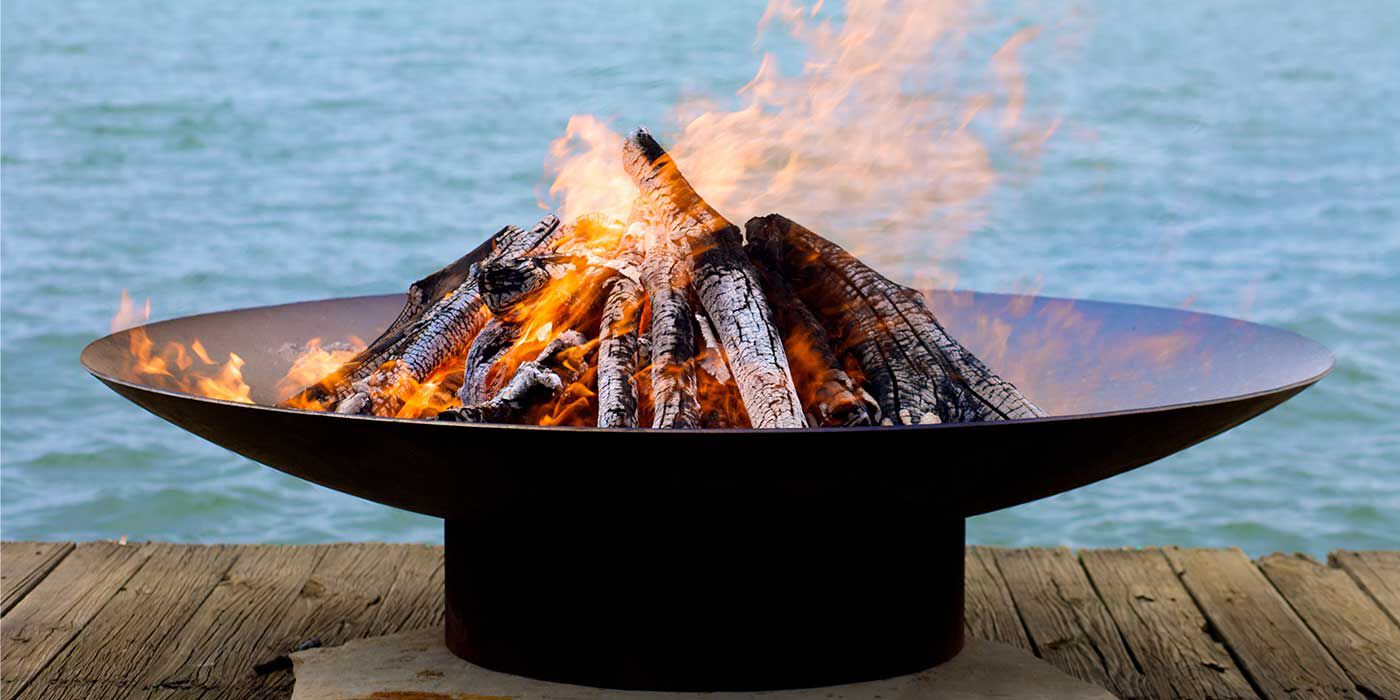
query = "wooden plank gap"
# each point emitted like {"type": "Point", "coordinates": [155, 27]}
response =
{"type": "Point", "coordinates": [23, 565]}
{"type": "Point", "coordinates": [1363, 640]}
{"type": "Point", "coordinates": [1377, 573]}
{"type": "Point", "coordinates": [1067, 621]}
{"type": "Point", "coordinates": [1162, 626]}
{"type": "Point", "coordinates": [45, 622]}
{"type": "Point", "coordinates": [1274, 648]}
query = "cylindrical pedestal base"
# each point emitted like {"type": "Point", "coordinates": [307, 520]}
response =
{"type": "Point", "coordinates": [741, 597]}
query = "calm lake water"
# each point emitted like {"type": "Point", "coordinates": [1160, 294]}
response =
{"type": "Point", "coordinates": [1240, 158]}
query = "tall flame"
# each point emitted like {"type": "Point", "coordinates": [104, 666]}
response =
{"type": "Point", "coordinates": [867, 140]}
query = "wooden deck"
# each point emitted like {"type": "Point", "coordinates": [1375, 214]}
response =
{"type": "Point", "coordinates": [104, 620]}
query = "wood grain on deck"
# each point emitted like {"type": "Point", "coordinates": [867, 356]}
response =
{"type": "Point", "coordinates": [103, 620]}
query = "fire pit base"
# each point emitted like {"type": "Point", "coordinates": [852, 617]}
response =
{"type": "Point", "coordinates": [417, 665]}
{"type": "Point", "coordinates": [744, 592]}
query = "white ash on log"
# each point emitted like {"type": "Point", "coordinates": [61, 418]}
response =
{"type": "Point", "coordinates": [916, 371]}
{"type": "Point", "coordinates": [534, 382]}
{"type": "Point", "coordinates": [724, 281]}
{"type": "Point", "coordinates": [331, 391]}
{"type": "Point", "coordinates": [511, 289]}
{"type": "Point", "coordinates": [426, 333]}
{"type": "Point", "coordinates": [829, 394]}
{"type": "Point", "coordinates": [446, 330]}
{"type": "Point", "coordinates": [490, 346]}
{"type": "Point", "coordinates": [721, 405]}
{"type": "Point", "coordinates": [619, 338]}
{"type": "Point", "coordinates": [667, 276]}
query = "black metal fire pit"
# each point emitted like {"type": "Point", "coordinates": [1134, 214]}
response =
{"type": "Point", "coordinates": [741, 560]}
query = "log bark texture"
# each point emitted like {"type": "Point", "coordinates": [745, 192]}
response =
{"type": "Point", "coordinates": [618, 336]}
{"type": "Point", "coordinates": [422, 296]}
{"type": "Point", "coordinates": [534, 382]}
{"type": "Point", "coordinates": [490, 345]}
{"type": "Point", "coordinates": [673, 389]}
{"type": "Point", "coordinates": [724, 281]}
{"type": "Point", "coordinates": [829, 395]}
{"type": "Point", "coordinates": [916, 371]}
{"type": "Point", "coordinates": [721, 406]}
{"type": "Point", "coordinates": [445, 330]}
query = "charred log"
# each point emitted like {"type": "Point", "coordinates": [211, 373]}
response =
{"type": "Point", "coordinates": [505, 283]}
{"type": "Point", "coordinates": [667, 277]}
{"type": "Point", "coordinates": [489, 347]}
{"type": "Point", "coordinates": [916, 371]}
{"type": "Point", "coordinates": [724, 281]}
{"type": "Point", "coordinates": [534, 382]}
{"type": "Point", "coordinates": [829, 395]}
{"type": "Point", "coordinates": [422, 296]}
{"type": "Point", "coordinates": [619, 339]}
{"type": "Point", "coordinates": [444, 331]}
{"type": "Point", "coordinates": [720, 403]}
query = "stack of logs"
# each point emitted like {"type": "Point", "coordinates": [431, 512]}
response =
{"type": "Point", "coordinates": [680, 321]}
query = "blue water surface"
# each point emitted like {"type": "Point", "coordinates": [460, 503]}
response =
{"type": "Point", "coordinates": [1240, 158]}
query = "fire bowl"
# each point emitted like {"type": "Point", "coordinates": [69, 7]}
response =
{"type": "Point", "coordinates": [740, 559]}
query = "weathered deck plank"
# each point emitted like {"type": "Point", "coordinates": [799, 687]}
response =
{"type": "Point", "coordinates": [42, 624]}
{"type": "Point", "coordinates": [991, 614]}
{"type": "Point", "coordinates": [1162, 626]}
{"type": "Point", "coordinates": [1274, 647]}
{"type": "Point", "coordinates": [1377, 573]}
{"type": "Point", "coordinates": [1363, 640]}
{"type": "Point", "coordinates": [414, 601]}
{"type": "Point", "coordinates": [25, 565]}
{"type": "Point", "coordinates": [228, 634]}
{"type": "Point", "coordinates": [111, 652]}
{"type": "Point", "coordinates": [336, 604]}
{"type": "Point", "coordinates": [1068, 624]}
{"type": "Point", "coordinates": [187, 622]}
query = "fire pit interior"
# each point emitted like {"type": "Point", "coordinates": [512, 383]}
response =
{"type": "Point", "coordinates": [805, 527]}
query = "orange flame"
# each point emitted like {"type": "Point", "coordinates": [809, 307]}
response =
{"type": "Point", "coordinates": [314, 363]}
{"type": "Point", "coordinates": [867, 135]}
{"type": "Point", "coordinates": [173, 366]}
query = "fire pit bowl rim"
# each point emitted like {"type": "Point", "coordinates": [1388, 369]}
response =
{"type": "Point", "coordinates": [954, 469]}
{"type": "Point", "coordinates": [89, 361]}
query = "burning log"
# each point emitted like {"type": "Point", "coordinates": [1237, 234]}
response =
{"type": "Point", "coordinates": [510, 289]}
{"type": "Point", "coordinates": [423, 295]}
{"type": "Point", "coordinates": [490, 346]}
{"type": "Point", "coordinates": [917, 372]}
{"type": "Point", "coordinates": [720, 403]}
{"type": "Point", "coordinates": [534, 382]}
{"type": "Point", "coordinates": [673, 389]}
{"type": "Point", "coordinates": [505, 283]}
{"type": "Point", "coordinates": [724, 281]}
{"type": "Point", "coordinates": [443, 331]}
{"type": "Point", "coordinates": [619, 339]}
{"type": "Point", "coordinates": [829, 395]}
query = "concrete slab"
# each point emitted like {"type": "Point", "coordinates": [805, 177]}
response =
{"type": "Point", "coordinates": [418, 666]}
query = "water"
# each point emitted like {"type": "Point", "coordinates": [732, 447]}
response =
{"type": "Point", "coordinates": [1239, 158]}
